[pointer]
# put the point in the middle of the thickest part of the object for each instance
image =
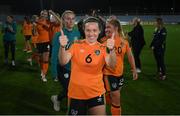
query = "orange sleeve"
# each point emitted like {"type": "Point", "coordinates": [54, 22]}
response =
{"type": "Point", "coordinates": [42, 28]}
{"type": "Point", "coordinates": [72, 49]}
{"type": "Point", "coordinates": [128, 48]}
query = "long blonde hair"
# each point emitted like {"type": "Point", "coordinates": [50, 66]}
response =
{"type": "Point", "coordinates": [116, 23]}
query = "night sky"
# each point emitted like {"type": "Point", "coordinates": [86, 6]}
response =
{"type": "Point", "coordinates": [83, 6]}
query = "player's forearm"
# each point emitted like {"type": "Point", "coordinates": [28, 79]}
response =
{"type": "Point", "coordinates": [131, 61]}
{"type": "Point", "coordinates": [63, 56]}
{"type": "Point", "coordinates": [112, 59]}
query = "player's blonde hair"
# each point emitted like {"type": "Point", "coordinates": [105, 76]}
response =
{"type": "Point", "coordinates": [63, 15]}
{"type": "Point", "coordinates": [116, 23]}
{"type": "Point", "coordinates": [66, 12]}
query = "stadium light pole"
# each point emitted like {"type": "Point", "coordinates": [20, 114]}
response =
{"type": "Point", "coordinates": [109, 7]}
{"type": "Point", "coordinates": [41, 4]}
{"type": "Point", "coordinates": [173, 6]}
{"type": "Point", "coordinates": [172, 9]}
{"type": "Point", "coordinates": [136, 10]}
{"type": "Point", "coordinates": [52, 4]}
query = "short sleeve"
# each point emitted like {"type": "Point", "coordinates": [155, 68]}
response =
{"type": "Point", "coordinates": [72, 49]}
{"type": "Point", "coordinates": [128, 48]}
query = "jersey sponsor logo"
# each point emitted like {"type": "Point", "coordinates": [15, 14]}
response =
{"type": "Point", "coordinates": [114, 85]}
{"type": "Point", "coordinates": [82, 50]}
{"type": "Point", "coordinates": [97, 52]}
{"type": "Point", "coordinates": [99, 99]}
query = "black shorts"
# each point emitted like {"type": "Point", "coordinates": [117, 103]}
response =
{"type": "Point", "coordinates": [43, 47]}
{"type": "Point", "coordinates": [80, 107]}
{"type": "Point", "coordinates": [113, 83]}
{"type": "Point", "coordinates": [27, 37]}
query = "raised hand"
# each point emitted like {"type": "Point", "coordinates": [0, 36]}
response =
{"type": "Point", "coordinates": [110, 42]}
{"type": "Point", "coordinates": [63, 40]}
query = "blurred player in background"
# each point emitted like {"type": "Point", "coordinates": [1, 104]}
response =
{"type": "Point", "coordinates": [158, 45]}
{"type": "Point", "coordinates": [43, 42]}
{"type": "Point", "coordinates": [27, 32]}
{"type": "Point", "coordinates": [35, 55]}
{"type": "Point", "coordinates": [9, 29]}
{"type": "Point", "coordinates": [137, 42]}
{"type": "Point", "coordinates": [63, 72]}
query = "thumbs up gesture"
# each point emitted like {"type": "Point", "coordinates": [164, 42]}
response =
{"type": "Point", "coordinates": [63, 40]}
{"type": "Point", "coordinates": [110, 42]}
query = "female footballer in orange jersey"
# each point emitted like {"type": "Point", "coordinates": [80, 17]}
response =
{"type": "Point", "coordinates": [55, 26]}
{"type": "Point", "coordinates": [35, 34]}
{"type": "Point", "coordinates": [43, 44]}
{"type": "Point", "coordinates": [113, 78]}
{"type": "Point", "coordinates": [35, 54]}
{"type": "Point", "coordinates": [86, 88]}
{"type": "Point", "coordinates": [27, 32]}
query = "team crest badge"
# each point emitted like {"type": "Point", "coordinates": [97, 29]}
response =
{"type": "Point", "coordinates": [97, 52]}
{"type": "Point", "coordinates": [75, 38]}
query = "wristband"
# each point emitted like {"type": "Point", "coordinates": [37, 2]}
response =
{"type": "Point", "coordinates": [63, 46]}
{"type": "Point", "coordinates": [112, 49]}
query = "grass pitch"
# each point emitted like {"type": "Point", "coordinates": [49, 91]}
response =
{"type": "Point", "coordinates": [22, 91]}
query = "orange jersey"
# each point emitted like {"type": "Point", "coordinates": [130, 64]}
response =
{"type": "Point", "coordinates": [34, 34]}
{"type": "Point", "coordinates": [54, 28]}
{"type": "Point", "coordinates": [27, 28]}
{"type": "Point", "coordinates": [43, 31]}
{"type": "Point", "coordinates": [86, 70]}
{"type": "Point", "coordinates": [121, 47]}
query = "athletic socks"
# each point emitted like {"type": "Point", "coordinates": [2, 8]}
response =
{"type": "Point", "coordinates": [115, 110]}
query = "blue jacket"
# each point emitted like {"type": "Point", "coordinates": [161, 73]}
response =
{"type": "Point", "coordinates": [8, 34]}
{"type": "Point", "coordinates": [71, 35]}
{"type": "Point", "coordinates": [159, 39]}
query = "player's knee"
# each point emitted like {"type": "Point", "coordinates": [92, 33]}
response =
{"type": "Point", "coordinates": [115, 97]}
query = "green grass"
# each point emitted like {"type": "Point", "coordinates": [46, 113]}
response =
{"type": "Point", "coordinates": [22, 91]}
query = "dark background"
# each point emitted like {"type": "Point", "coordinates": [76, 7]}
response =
{"type": "Point", "coordinates": [138, 7]}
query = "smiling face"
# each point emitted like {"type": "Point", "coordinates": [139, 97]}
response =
{"type": "Point", "coordinates": [92, 31]}
{"type": "Point", "coordinates": [110, 29]}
